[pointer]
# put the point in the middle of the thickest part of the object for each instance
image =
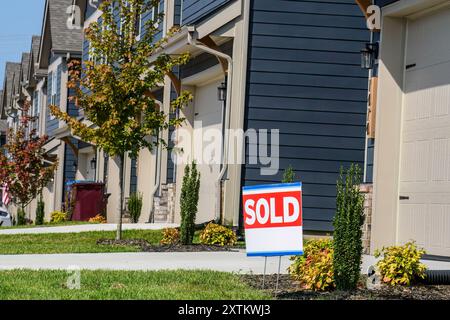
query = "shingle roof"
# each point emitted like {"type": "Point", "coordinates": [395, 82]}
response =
{"type": "Point", "coordinates": [10, 83]}
{"type": "Point", "coordinates": [35, 42]}
{"type": "Point", "coordinates": [63, 38]}
{"type": "Point", "coordinates": [24, 65]}
{"type": "Point", "coordinates": [56, 36]}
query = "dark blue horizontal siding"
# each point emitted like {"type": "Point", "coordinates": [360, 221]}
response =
{"type": "Point", "coordinates": [177, 12]}
{"type": "Point", "coordinates": [69, 160]}
{"type": "Point", "coordinates": [147, 18]}
{"type": "Point", "coordinates": [195, 10]}
{"type": "Point", "coordinates": [382, 3]}
{"type": "Point", "coordinates": [304, 79]}
{"type": "Point", "coordinates": [133, 176]}
{"type": "Point", "coordinates": [370, 160]}
{"type": "Point", "coordinates": [171, 144]}
{"type": "Point", "coordinates": [90, 9]}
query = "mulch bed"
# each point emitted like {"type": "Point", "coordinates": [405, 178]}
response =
{"type": "Point", "coordinates": [145, 246]}
{"type": "Point", "coordinates": [290, 290]}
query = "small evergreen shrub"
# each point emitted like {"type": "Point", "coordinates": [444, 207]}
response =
{"type": "Point", "coordinates": [314, 269]}
{"type": "Point", "coordinates": [401, 265]}
{"type": "Point", "coordinates": [40, 212]}
{"type": "Point", "coordinates": [215, 234]}
{"type": "Point", "coordinates": [97, 219]}
{"type": "Point", "coordinates": [189, 202]}
{"type": "Point", "coordinates": [58, 217]}
{"type": "Point", "coordinates": [21, 218]}
{"type": "Point", "coordinates": [288, 175]}
{"type": "Point", "coordinates": [347, 234]}
{"type": "Point", "coordinates": [170, 236]}
{"type": "Point", "coordinates": [135, 206]}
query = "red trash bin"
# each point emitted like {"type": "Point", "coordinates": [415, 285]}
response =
{"type": "Point", "coordinates": [89, 200]}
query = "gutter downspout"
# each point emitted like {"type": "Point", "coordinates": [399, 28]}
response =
{"type": "Point", "coordinates": [192, 40]}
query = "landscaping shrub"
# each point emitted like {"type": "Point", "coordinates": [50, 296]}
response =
{"type": "Point", "coordinates": [58, 217]}
{"type": "Point", "coordinates": [347, 234]}
{"type": "Point", "coordinates": [40, 212]}
{"type": "Point", "coordinates": [314, 269]}
{"type": "Point", "coordinates": [21, 219]}
{"type": "Point", "coordinates": [215, 234]}
{"type": "Point", "coordinates": [97, 219]}
{"type": "Point", "coordinates": [288, 175]}
{"type": "Point", "coordinates": [135, 206]}
{"type": "Point", "coordinates": [170, 236]}
{"type": "Point", "coordinates": [188, 202]}
{"type": "Point", "coordinates": [401, 265]}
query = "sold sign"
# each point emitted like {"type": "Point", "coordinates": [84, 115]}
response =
{"type": "Point", "coordinates": [273, 219]}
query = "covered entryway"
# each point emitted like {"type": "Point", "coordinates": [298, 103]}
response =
{"type": "Point", "coordinates": [424, 184]}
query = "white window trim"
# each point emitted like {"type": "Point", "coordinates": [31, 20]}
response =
{"type": "Point", "coordinates": [53, 92]}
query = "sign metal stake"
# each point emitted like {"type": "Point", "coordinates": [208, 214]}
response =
{"type": "Point", "coordinates": [264, 274]}
{"type": "Point", "coordinates": [278, 274]}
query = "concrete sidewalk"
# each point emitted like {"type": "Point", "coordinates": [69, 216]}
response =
{"type": "Point", "coordinates": [88, 227]}
{"type": "Point", "coordinates": [221, 261]}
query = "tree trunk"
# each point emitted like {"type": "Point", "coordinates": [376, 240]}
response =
{"type": "Point", "coordinates": [121, 182]}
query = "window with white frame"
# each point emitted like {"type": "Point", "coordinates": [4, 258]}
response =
{"type": "Point", "coordinates": [54, 81]}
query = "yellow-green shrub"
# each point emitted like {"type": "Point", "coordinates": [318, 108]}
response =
{"type": "Point", "coordinates": [170, 236]}
{"type": "Point", "coordinates": [314, 269]}
{"type": "Point", "coordinates": [401, 264]}
{"type": "Point", "coordinates": [58, 217]}
{"type": "Point", "coordinates": [215, 234]}
{"type": "Point", "coordinates": [97, 219]}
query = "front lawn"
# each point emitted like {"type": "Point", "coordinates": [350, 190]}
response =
{"type": "Point", "coordinates": [174, 285]}
{"type": "Point", "coordinates": [82, 242]}
{"type": "Point", "coordinates": [49, 225]}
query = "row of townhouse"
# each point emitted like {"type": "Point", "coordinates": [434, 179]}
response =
{"type": "Point", "coordinates": [291, 66]}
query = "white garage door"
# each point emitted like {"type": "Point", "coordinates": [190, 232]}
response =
{"type": "Point", "coordinates": [424, 209]}
{"type": "Point", "coordinates": [207, 146]}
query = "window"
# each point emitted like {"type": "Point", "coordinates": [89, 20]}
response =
{"type": "Point", "coordinates": [54, 80]}
{"type": "Point", "coordinates": [155, 17]}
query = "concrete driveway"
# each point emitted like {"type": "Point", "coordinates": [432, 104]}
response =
{"type": "Point", "coordinates": [88, 227]}
{"type": "Point", "coordinates": [221, 261]}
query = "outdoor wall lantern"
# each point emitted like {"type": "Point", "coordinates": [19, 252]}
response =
{"type": "Point", "coordinates": [368, 55]}
{"type": "Point", "coordinates": [222, 92]}
{"type": "Point", "coordinates": [74, 166]}
{"type": "Point", "coordinates": [94, 163]}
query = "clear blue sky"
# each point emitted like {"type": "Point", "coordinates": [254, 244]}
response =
{"type": "Point", "coordinates": [19, 20]}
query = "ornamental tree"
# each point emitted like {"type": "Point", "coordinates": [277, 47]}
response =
{"type": "Point", "coordinates": [114, 88]}
{"type": "Point", "coordinates": [22, 162]}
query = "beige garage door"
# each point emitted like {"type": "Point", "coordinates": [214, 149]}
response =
{"type": "Point", "coordinates": [424, 204]}
{"type": "Point", "coordinates": [207, 146]}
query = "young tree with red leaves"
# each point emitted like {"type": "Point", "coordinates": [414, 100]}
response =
{"type": "Point", "coordinates": [22, 165]}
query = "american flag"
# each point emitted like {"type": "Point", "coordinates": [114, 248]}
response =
{"type": "Point", "coordinates": [5, 196]}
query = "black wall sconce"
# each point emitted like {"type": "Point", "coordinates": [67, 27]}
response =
{"type": "Point", "coordinates": [222, 92]}
{"type": "Point", "coordinates": [94, 163]}
{"type": "Point", "coordinates": [368, 55]}
{"type": "Point", "coordinates": [74, 166]}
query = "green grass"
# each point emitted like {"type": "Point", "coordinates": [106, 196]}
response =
{"type": "Point", "coordinates": [174, 285]}
{"type": "Point", "coordinates": [49, 225]}
{"type": "Point", "coordinates": [83, 242]}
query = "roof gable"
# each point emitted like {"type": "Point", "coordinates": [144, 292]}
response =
{"type": "Point", "coordinates": [56, 36]}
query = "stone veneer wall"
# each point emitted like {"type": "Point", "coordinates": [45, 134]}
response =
{"type": "Point", "coordinates": [367, 190]}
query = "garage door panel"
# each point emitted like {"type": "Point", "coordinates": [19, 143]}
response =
{"type": "Point", "coordinates": [424, 215]}
{"type": "Point", "coordinates": [412, 221]}
{"type": "Point", "coordinates": [426, 45]}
